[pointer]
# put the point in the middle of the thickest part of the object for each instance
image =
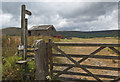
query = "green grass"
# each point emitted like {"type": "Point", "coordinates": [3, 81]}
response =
{"type": "Point", "coordinates": [10, 69]}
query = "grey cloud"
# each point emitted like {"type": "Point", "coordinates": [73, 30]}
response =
{"type": "Point", "coordinates": [67, 15]}
{"type": "Point", "coordinates": [91, 12]}
{"type": "Point", "coordinates": [89, 9]}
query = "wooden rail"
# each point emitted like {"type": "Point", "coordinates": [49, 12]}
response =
{"type": "Point", "coordinates": [93, 56]}
{"type": "Point", "coordinates": [89, 66]}
{"type": "Point", "coordinates": [74, 80]}
{"type": "Point", "coordinates": [85, 74]}
{"type": "Point", "coordinates": [81, 56]}
{"type": "Point", "coordinates": [87, 44]}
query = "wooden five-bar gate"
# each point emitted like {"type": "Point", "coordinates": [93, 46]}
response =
{"type": "Point", "coordinates": [44, 61]}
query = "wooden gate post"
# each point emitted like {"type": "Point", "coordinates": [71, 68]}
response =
{"type": "Point", "coordinates": [49, 52]}
{"type": "Point", "coordinates": [41, 60]}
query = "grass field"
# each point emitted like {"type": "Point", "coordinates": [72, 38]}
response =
{"type": "Point", "coordinates": [93, 40]}
{"type": "Point", "coordinates": [13, 71]}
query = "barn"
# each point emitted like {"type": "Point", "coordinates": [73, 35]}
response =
{"type": "Point", "coordinates": [42, 30]}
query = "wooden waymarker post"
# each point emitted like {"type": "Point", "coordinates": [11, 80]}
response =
{"type": "Point", "coordinates": [25, 40]}
{"type": "Point", "coordinates": [24, 29]}
{"type": "Point", "coordinates": [22, 22]}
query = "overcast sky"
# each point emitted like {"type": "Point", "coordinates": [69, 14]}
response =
{"type": "Point", "coordinates": [65, 16]}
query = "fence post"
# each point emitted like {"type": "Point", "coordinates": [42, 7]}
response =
{"type": "Point", "coordinates": [49, 51]}
{"type": "Point", "coordinates": [41, 60]}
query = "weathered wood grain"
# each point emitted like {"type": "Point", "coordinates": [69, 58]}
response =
{"type": "Point", "coordinates": [93, 56]}
{"type": "Point", "coordinates": [41, 60]}
{"type": "Point", "coordinates": [24, 61]}
{"type": "Point", "coordinates": [50, 56]}
{"type": "Point", "coordinates": [85, 74]}
{"type": "Point", "coordinates": [87, 44]}
{"type": "Point", "coordinates": [89, 66]}
{"type": "Point", "coordinates": [66, 79]}
{"type": "Point", "coordinates": [25, 40]}
{"type": "Point", "coordinates": [115, 50]}
{"type": "Point", "coordinates": [83, 59]}
{"type": "Point", "coordinates": [76, 63]}
{"type": "Point", "coordinates": [28, 12]}
{"type": "Point", "coordinates": [22, 22]}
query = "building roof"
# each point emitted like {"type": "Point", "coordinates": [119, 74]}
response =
{"type": "Point", "coordinates": [41, 27]}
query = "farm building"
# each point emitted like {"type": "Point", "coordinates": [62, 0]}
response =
{"type": "Point", "coordinates": [42, 30]}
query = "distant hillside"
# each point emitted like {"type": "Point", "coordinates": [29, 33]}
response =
{"type": "Point", "coordinates": [11, 31]}
{"type": "Point", "coordinates": [90, 34]}
{"type": "Point", "coordinates": [15, 31]}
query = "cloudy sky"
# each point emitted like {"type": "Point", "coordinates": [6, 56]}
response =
{"type": "Point", "coordinates": [65, 16]}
